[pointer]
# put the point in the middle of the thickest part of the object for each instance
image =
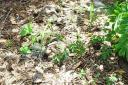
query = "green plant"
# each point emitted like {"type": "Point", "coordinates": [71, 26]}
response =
{"type": "Point", "coordinates": [96, 39]}
{"type": "Point", "coordinates": [59, 37]}
{"type": "Point", "coordinates": [25, 49]}
{"type": "Point", "coordinates": [82, 73]}
{"type": "Point", "coordinates": [111, 79]}
{"type": "Point", "coordinates": [60, 57]}
{"type": "Point", "coordinates": [118, 33]}
{"type": "Point", "coordinates": [77, 47]}
{"type": "Point", "coordinates": [42, 38]}
{"type": "Point", "coordinates": [106, 52]}
{"type": "Point", "coordinates": [26, 29]}
{"type": "Point", "coordinates": [92, 14]}
{"type": "Point", "coordinates": [96, 42]}
{"type": "Point", "coordinates": [9, 43]}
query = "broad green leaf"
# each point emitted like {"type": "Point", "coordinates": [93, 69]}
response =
{"type": "Point", "coordinates": [25, 50]}
{"type": "Point", "coordinates": [26, 29]}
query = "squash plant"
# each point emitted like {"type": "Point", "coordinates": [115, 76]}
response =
{"type": "Point", "coordinates": [118, 34]}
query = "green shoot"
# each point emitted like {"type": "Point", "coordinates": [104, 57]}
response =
{"type": "Point", "coordinates": [92, 13]}
{"type": "Point", "coordinates": [26, 29]}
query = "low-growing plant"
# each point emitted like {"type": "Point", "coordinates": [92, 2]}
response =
{"type": "Point", "coordinates": [111, 79]}
{"type": "Point", "coordinates": [77, 47]}
{"type": "Point", "coordinates": [26, 29]}
{"type": "Point", "coordinates": [9, 43]}
{"type": "Point", "coordinates": [43, 38]}
{"type": "Point", "coordinates": [25, 49]}
{"type": "Point", "coordinates": [60, 57]}
{"type": "Point", "coordinates": [96, 39]}
{"type": "Point", "coordinates": [92, 14]}
{"type": "Point", "coordinates": [59, 37]}
{"type": "Point", "coordinates": [82, 73]}
{"type": "Point", "coordinates": [106, 52]}
{"type": "Point", "coordinates": [96, 42]}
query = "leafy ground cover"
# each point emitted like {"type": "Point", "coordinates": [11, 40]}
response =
{"type": "Point", "coordinates": [63, 42]}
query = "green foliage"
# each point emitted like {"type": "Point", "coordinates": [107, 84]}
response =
{"type": "Point", "coordinates": [33, 38]}
{"type": "Point", "coordinates": [60, 57]}
{"type": "Point", "coordinates": [96, 39]}
{"type": "Point", "coordinates": [25, 49]}
{"type": "Point", "coordinates": [26, 29]}
{"type": "Point", "coordinates": [9, 43]}
{"type": "Point", "coordinates": [111, 80]}
{"type": "Point", "coordinates": [92, 12]}
{"type": "Point", "coordinates": [118, 15]}
{"type": "Point", "coordinates": [82, 73]}
{"type": "Point", "coordinates": [60, 37]}
{"type": "Point", "coordinates": [77, 47]}
{"type": "Point", "coordinates": [106, 52]}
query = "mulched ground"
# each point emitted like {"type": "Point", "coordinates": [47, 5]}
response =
{"type": "Point", "coordinates": [67, 19]}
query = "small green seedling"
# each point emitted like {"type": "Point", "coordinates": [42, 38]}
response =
{"type": "Point", "coordinates": [25, 49]}
{"type": "Point", "coordinates": [59, 37]}
{"type": "Point", "coordinates": [26, 29]}
{"type": "Point", "coordinates": [111, 79]}
{"type": "Point", "coordinates": [77, 47]}
{"type": "Point", "coordinates": [106, 52]}
{"type": "Point", "coordinates": [33, 39]}
{"type": "Point", "coordinates": [60, 57]}
{"type": "Point", "coordinates": [96, 39]}
{"type": "Point", "coordinates": [92, 12]}
{"type": "Point", "coordinates": [96, 42]}
{"type": "Point", "coordinates": [82, 73]}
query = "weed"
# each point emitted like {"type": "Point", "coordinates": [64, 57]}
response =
{"type": "Point", "coordinates": [9, 43]}
{"type": "Point", "coordinates": [111, 79]}
{"type": "Point", "coordinates": [77, 47]}
{"type": "Point", "coordinates": [82, 73]}
{"type": "Point", "coordinates": [96, 42]}
{"type": "Point", "coordinates": [59, 37]}
{"type": "Point", "coordinates": [43, 38]}
{"type": "Point", "coordinates": [96, 39]}
{"type": "Point", "coordinates": [26, 29]}
{"type": "Point", "coordinates": [106, 52]}
{"type": "Point", "coordinates": [25, 49]}
{"type": "Point", "coordinates": [92, 12]}
{"type": "Point", "coordinates": [60, 57]}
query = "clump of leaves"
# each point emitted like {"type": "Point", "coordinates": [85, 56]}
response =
{"type": "Point", "coordinates": [111, 79]}
{"type": "Point", "coordinates": [25, 49]}
{"type": "Point", "coordinates": [77, 47]}
{"type": "Point", "coordinates": [82, 73]}
{"type": "Point", "coordinates": [96, 39]}
{"type": "Point", "coordinates": [92, 14]}
{"type": "Point", "coordinates": [60, 57]}
{"type": "Point", "coordinates": [96, 42]}
{"type": "Point", "coordinates": [106, 52]}
{"type": "Point", "coordinates": [26, 29]}
{"type": "Point", "coordinates": [118, 33]}
{"type": "Point", "coordinates": [9, 43]}
{"type": "Point", "coordinates": [59, 37]}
